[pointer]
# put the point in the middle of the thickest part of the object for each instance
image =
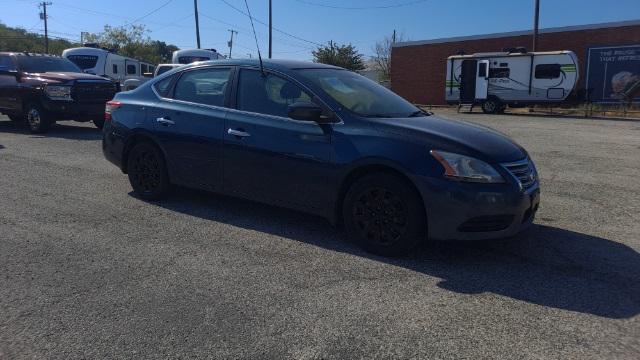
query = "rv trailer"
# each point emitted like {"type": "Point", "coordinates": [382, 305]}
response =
{"type": "Point", "coordinates": [187, 56]}
{"type": "Point", "coordinates": [103, 62]}
{"type": "Point", "coordinates": [498, 79]}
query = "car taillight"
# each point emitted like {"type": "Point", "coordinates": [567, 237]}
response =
{"type": "Point", "coordinates": [109, 108]}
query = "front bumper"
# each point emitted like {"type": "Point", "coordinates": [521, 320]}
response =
{"type": "Point", "coordinates": [471, 211]}
{"type": "Point", "coordinates": [74, 110]}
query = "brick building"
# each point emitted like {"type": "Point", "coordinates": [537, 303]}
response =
{"type": "Point", "coordinates": [419, 67]}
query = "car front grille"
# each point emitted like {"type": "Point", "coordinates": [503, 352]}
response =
{"type": "Point", "coordinates": [94, 92]}
{"type": "Point", "coordinates": [523, 171]}
{"type": "Point", "coordinates": [486, 223]}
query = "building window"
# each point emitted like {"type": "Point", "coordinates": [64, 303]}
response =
{"type": "Point", "coordinates": [547, 71]}
{"type": "Point", "coordinates": [501, 72]}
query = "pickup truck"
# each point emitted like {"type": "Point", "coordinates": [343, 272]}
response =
{"type": "Point", "coordinates": [39, 90]}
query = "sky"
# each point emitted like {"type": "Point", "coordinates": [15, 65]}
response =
{"type": "Point", "coordinates": [301, 25]}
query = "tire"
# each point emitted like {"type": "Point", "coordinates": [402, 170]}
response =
{"type": "Point", "coordinates": [491, 106]}
{"type": "Point", "coordinates": [99, 123]}
{"type": "Point", "coordinates": [147, 172]}
{"type": "Point", "coordinates": [38, 119]}
{"type": "Point", "coordinates": [384, 215]}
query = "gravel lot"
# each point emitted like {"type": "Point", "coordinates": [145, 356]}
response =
{"type": "Point", "coordinates": [89, 271]}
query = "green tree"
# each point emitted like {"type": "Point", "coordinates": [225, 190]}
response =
{"type": "Point", "coordinates": [133, 41]}
{"type": "Point", "coordinates": [345, 56]}
{"type": "Point", "coordinates": [16, 39]}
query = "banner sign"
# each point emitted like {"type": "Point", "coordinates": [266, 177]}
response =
{"type": "Point", "coordinates": [613, 74]}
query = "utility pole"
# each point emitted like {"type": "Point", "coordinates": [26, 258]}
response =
{"type": "Point", "coordinates": [230, 43]}
{"type": "Point", "coordinates": [393, 38]}
{"type": "Point", "coordinates": [43, 16]}
{"type": "Point", "coordinates": [195, 6]}
{"type": "Point", "coordinates": [536, 18]}
{"type": "Point", "coordinates": [270, 29]}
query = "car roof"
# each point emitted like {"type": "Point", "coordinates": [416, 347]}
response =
{"type": "Point", "coordinates": [22, 53]}
{"type": "Point", "coordinates": [275, 64]}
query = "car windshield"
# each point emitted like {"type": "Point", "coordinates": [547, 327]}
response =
{"type": "Point", "coordinates": [42, 64]}
{"type": "Point", "coordinates": [359, 94]}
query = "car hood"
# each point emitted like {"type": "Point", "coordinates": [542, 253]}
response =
{"type": "Point", "coordinates": [456, 136]}
{"type": "Point", "coordinates": [66, 76]}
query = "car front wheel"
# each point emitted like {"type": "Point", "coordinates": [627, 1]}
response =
{"type": "Point", "coordinates": [148, 172]}
{"type": "Point", "coordinates": [384, 215]}
{"type": "Point", "coordinates": [37, 118]}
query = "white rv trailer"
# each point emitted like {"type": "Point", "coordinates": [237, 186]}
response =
{"type": "Point", "coordinates": [103, 62]}
{"type": "Point", "coordinates": [498, 79]}
{"type": "Point", "coordinates": [187, 56]}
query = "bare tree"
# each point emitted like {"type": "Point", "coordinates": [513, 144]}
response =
{"type": "Point", "coordinates": [382, 57]}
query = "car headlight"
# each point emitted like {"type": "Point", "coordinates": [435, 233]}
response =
{"type": "Point", "coordinates": [58, 92]}
{"type": "Point", "coordinates": [465, 168]}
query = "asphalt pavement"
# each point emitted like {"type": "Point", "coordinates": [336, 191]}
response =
{"type": "Point", "coordinates": [87, 270]}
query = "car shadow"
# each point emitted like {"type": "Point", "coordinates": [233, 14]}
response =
{"type": "Point", "coordinates": [544, 265]}
{"type": "Point", "coordinates": [63, 130]}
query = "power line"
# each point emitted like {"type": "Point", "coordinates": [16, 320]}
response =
{"type": "Point", "coordinates": [151, 12]}
{"type": "Point", "coordinates": [408, 3]}
{"type": "Point", "coordinates": [265, 24]}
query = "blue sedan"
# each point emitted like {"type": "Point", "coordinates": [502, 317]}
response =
{"type": "Point", "coordinates": [322, 140]}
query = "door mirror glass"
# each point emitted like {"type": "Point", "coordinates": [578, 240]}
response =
{"type": "Point", "coordinates": [306, 111]}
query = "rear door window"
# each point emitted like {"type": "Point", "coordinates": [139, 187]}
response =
{"type": "Point", "coordinates": [203, 86]}
{"type": "Point", "coordinates": [270, 95]}
{"type": "Point", "coordinates": [163, 87]}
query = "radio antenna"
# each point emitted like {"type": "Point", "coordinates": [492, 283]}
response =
{"type": "Point", "coordinates": [255, 37]}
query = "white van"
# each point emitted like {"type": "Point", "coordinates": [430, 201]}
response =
{"type": "Point", "coordinates": [102, 62]}
{"type": "Point", "coordinates": [187, 56]}
{"type": "Point", "coordinates": [516, 78]}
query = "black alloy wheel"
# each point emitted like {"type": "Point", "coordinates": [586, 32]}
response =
{"type": "Point", "coordinates": [491, 106]}
{"type": "Point", "coordinates": [384, 214]}
{"type": "Point", "coordinates": [147, 172]}
{"type": "Point", "coordinates": [37, 118]}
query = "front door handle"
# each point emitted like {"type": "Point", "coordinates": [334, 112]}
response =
{"type": "Point", "coordinates": [165, 121]}
{"type": "Point", "coordinates": [238, 133]}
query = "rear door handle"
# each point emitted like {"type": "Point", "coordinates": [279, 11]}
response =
{"type": "Point", "coordinates": [166, 121]}
{"type": "Point", "coordinates": [238, 133]}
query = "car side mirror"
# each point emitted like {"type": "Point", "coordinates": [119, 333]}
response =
{"type": "Point", "coordinates": [306, 111]}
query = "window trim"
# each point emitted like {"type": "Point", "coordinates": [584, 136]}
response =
{"type": "Point", "coordinates": [176, 78]}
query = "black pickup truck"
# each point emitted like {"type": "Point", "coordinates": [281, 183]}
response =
{"type": "Point", "coordinates": [39, 90]}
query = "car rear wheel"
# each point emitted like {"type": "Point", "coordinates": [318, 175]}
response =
{"type": "Point", "coordinates": [384, 215]}
{"type": "Point", "coordinates": [148, 172]}
{"type": "Point", "coordinates": [37, 118]}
